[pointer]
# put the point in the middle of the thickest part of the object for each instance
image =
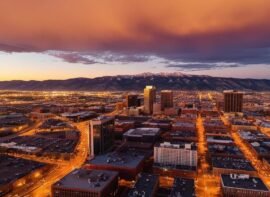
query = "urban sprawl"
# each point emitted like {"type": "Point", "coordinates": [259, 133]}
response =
{"type": "Point", "coordinates": [163, 143]}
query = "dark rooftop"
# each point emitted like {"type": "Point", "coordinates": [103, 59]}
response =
{"type": "Point", "coordinates": [87, 180]}
{"type": "Point", "coordinates": [252, 135]}
{"type": "Point", "coordinates": [232, 163]}
{"type": "Point", "coordinates": [163, 192]}
{"type": "Point", "coordinates": [12, 168]}
{"type": "Point", "coordinates": [145, 186]}
{"type": "Point", "coordinates": [183, 133]}
{"type": "Point", "coordinates": [129, 158]}
{"type": "Point", "coordinates": [183, 187]}
{"type": "Point", "coordinates": [224, 149]}
{"type": "Point", "coordinates": [219, 139]}
{"type": "Point", "coordinates": [242, 122]}
{"type": "Point", "coordinates": [261, 146]}
{"type": "Point", "coordinates": [243, 182]}
{"type": "Point", "coordinates": [13, 120]}
{"type": "Point", "coordinates": [140, 132]}
{"type": "Point", "coordinates": [44, 144]}
{"type": "Point", "coordinates": [175, 167]}
{"type": "Point", "coordinates": [51, 123]}
{"type": "Point", "coordinates": [178, 145]}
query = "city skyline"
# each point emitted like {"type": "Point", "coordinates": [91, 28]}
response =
{"type": "Point", "coordinates": [93, 38]}
{"type": "Point", "coordinates": [62, 143]}
{"type": "Point", "coordinates": [134, 98]}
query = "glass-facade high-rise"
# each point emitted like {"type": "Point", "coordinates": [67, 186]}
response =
{"type": "Point", "coordinates": [101, 135]}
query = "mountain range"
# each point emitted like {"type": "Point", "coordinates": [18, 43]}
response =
{"type": "Point", "coordinates": [174, 81]}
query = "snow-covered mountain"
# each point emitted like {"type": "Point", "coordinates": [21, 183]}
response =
{"type": "Point", "coordinates": [177, 81]}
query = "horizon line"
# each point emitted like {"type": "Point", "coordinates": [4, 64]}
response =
{"type": "Point", "coordinates": [177, 74]}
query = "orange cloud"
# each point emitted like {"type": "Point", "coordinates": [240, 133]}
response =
{"type": "Point", "coordinates": [86, 25]}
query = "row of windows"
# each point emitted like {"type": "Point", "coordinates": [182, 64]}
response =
{"type": "Point", "coordinates": [240, 192]}
{"type": "Point", "coordinates": [69, 193]}
{"type": "Point", "coordinates": [178, 157]}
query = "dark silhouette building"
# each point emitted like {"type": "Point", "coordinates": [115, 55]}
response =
{"type": "Point", "coordinates": [166, 99]}
{"type": "Point", "coordinates": [132, 100]}
{"type": "Point", "coordinates": [233, 101]}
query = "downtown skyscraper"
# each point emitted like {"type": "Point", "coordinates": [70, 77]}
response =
{"type": "Point", "coordinates": [149, 99]}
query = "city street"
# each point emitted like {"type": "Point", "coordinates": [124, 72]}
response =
{"type": "Point", "coordinates": [60, 169]}
{"type": "Point", "coordinates": [207, 185]}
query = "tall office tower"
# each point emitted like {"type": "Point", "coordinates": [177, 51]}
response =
{"type": "Point", "coordinates": [166, 99]}
{"type": "Point", "coordinates": [132, 100]}
{"type": "Point", "coordinates": [149, 98]}
{"type": "Point", "coordinates": [233, 101]}
{"type": "Point", "coordinates": [101, 137]}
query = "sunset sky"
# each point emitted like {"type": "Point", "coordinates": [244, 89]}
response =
{"type": "Point", "coordinates": [59, 39]}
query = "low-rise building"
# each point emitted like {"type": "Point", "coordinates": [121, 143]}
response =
{"type": "Point", "coordinates": [242, 124]}
{"type": "Point", "coordinates": [239, 185]}
{"type": "Point", "coordinates": [16, 172]}
{"type": "Point", "coordinates": [82, 182]}
{"type": "Point", "coordinates": [183, 135]}
{"type": "Point", "coordinates": [225, 150]}
{"type": "Point", "coordinates": [162, 124]}
{"type": "Point", "coordinates": [215, 126]}
{"type": "Point", "coordinates": [183, 125]}
{"type": "Point", "coordinates": [260, 148]}
{"type": "Point", "coordinates": [265, 127]}
{"type": "Point", "coordinates": [252, 135]}
{"type": "Point", "coordinates": [230, 165]}
{"type": "Point", "coordinates": [146, 185]}
{"type": "Point", "coordinates": [146, 135]}
{"type": "Point", "coordinates": [128, 162]}
{"type": "Point", "coordinates": [219, 139]}
{"type": "Point", "coordinates": [183, 187]}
